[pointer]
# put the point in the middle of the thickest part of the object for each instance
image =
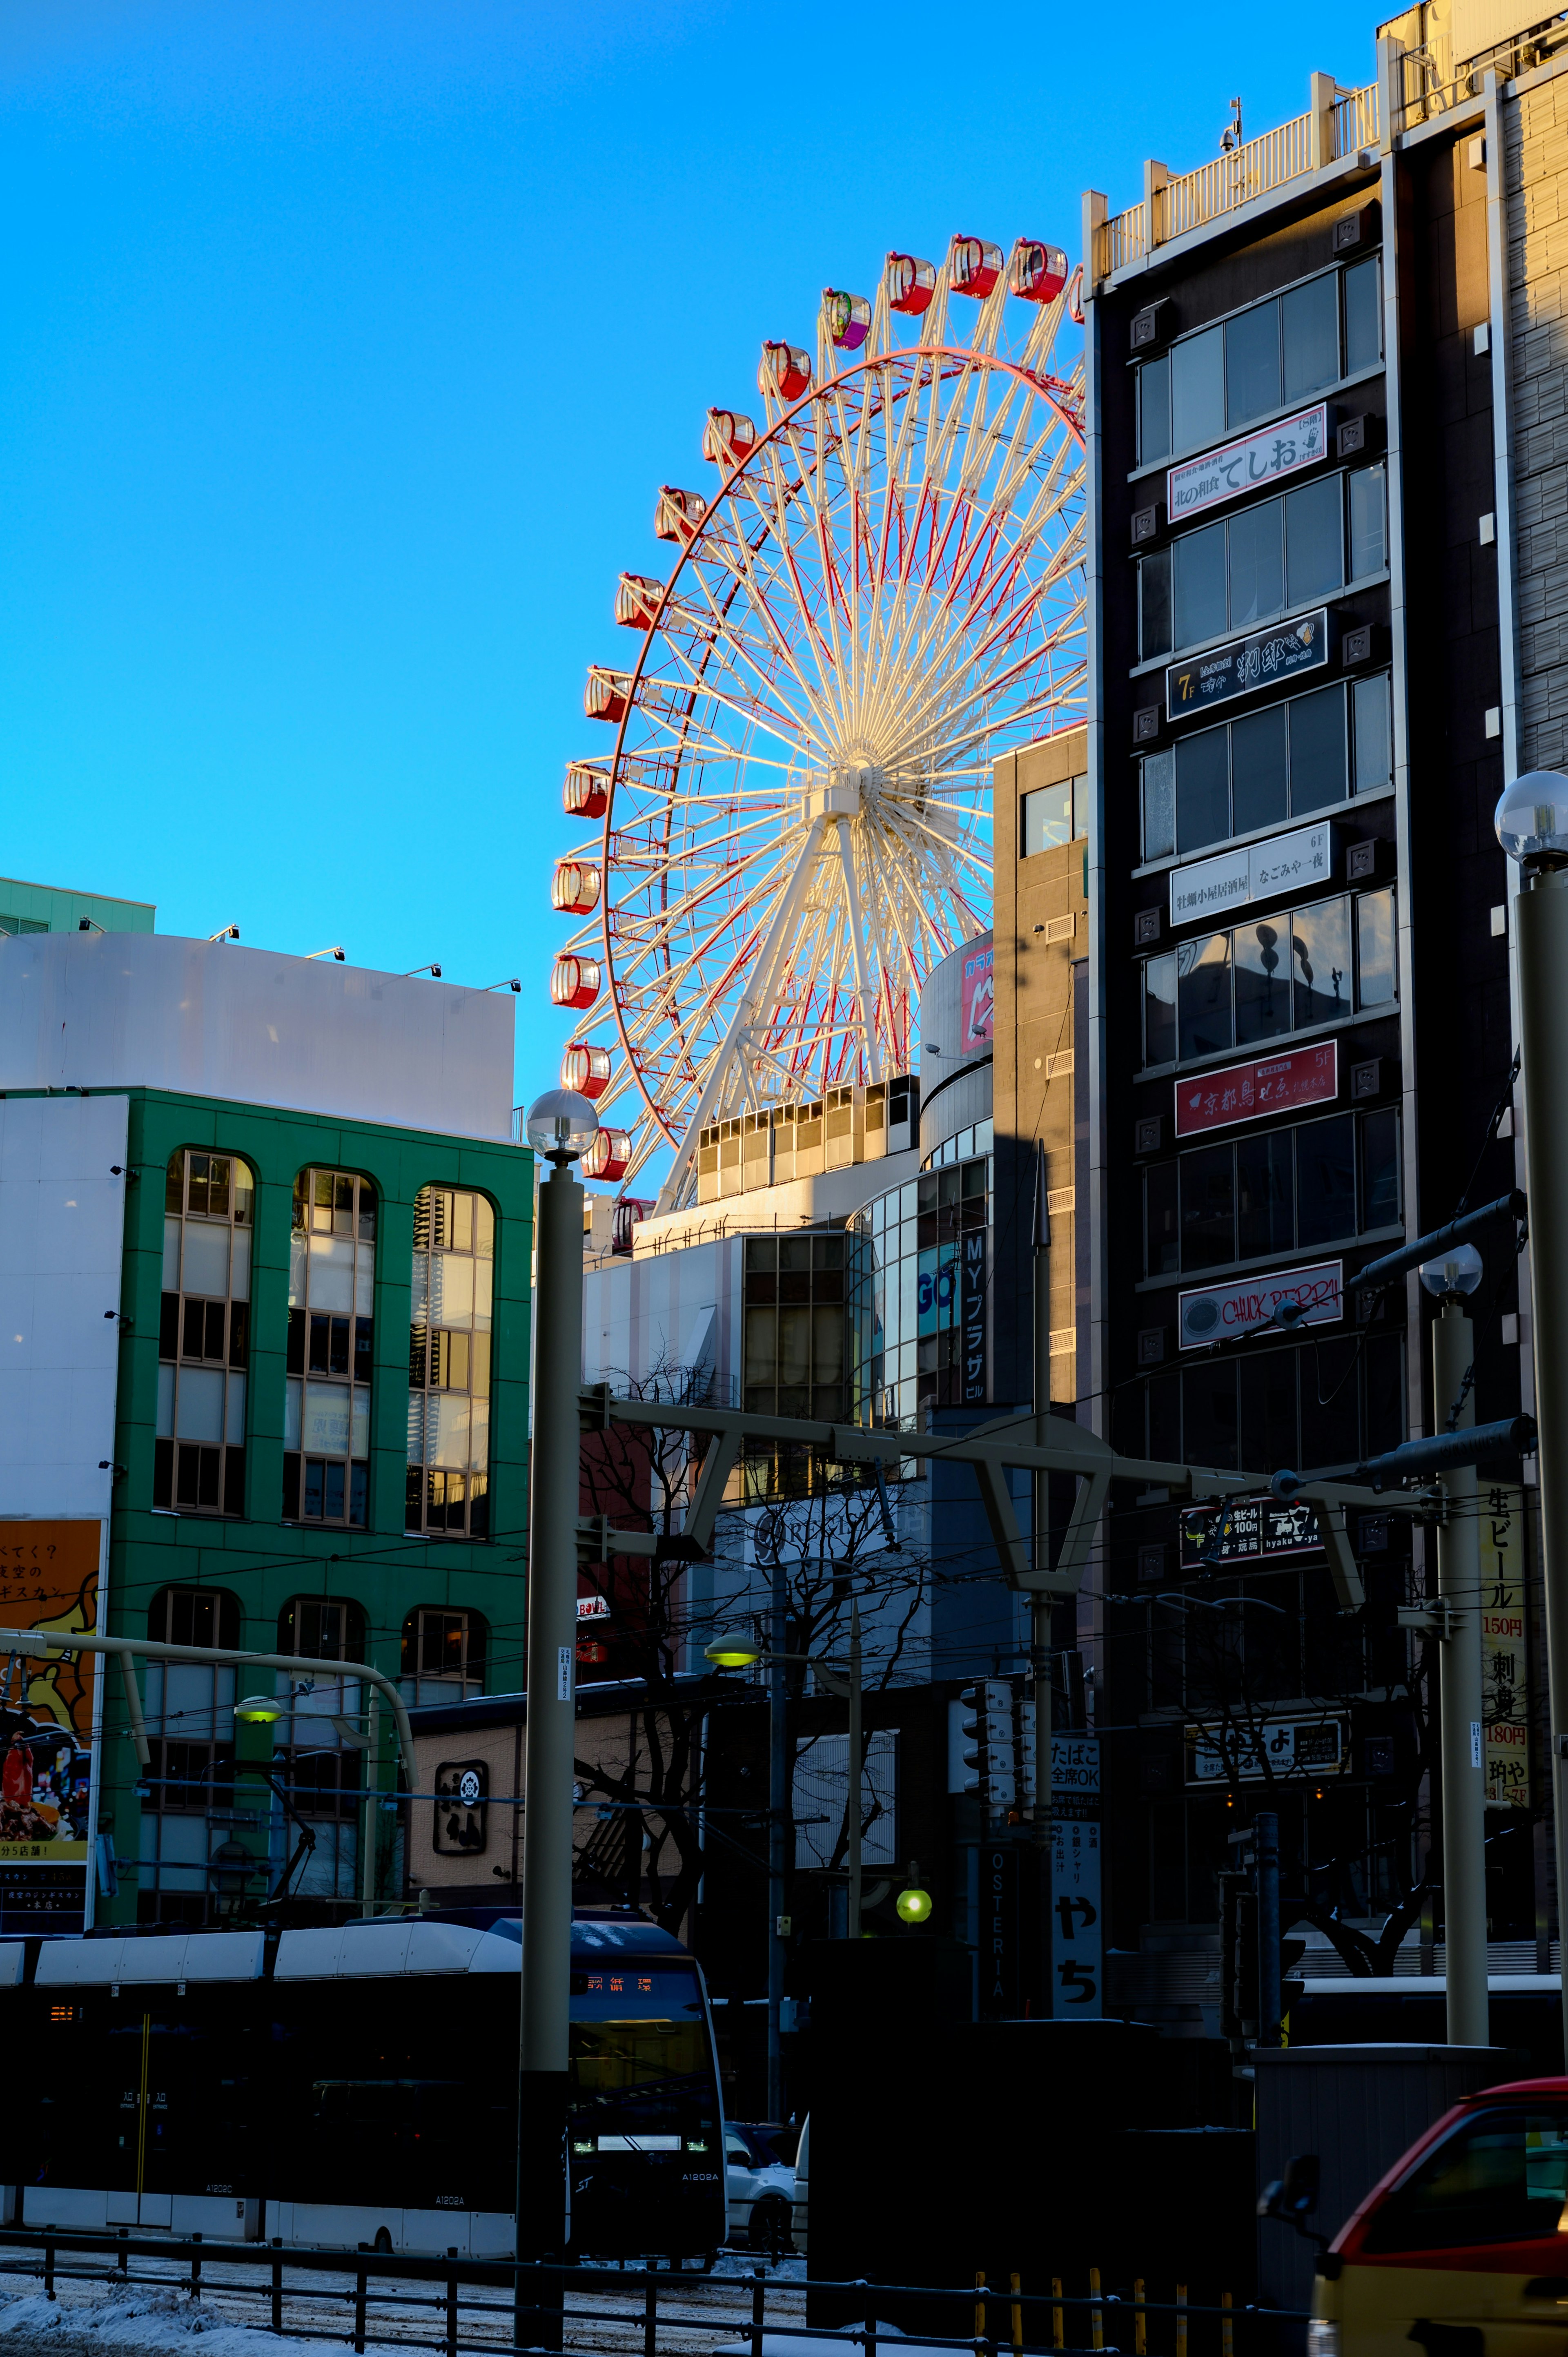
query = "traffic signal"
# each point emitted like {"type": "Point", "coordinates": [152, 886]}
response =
{"type": "Point", "coordinates": [989, 1752]}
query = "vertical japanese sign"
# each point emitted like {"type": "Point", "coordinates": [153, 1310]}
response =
{"type": "Point", "coordinates": [1504, 1682]}
{"type": "Point", "coordinates": [999, 1993]}
{"type": "Point", "coordinates": [48, 1580]}
{"type": "Point", "coordinates": [971, 1315]}
{"type": "Point", "coordinates": [1077, 1938]}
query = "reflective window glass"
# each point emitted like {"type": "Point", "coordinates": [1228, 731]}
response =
{"type": "Point", "coordinates": [1203, 995]}
{"type": "Point", "coordinates": [1162, 1236]}
{"type": "Point", "coordinates": [1500, 2177]}
{"type": "Point", "coordinates": [1320, 955]}
{"type": "Point", "coordinates": [1369, 522]}
{"type": "Point", "coordinates": [1159, 1009]}
{"type": "Point", "coordinates": [1197, 586]}
{"type": "Point", "coordinates": [1203, 789]}
{"type": "Point", "coordinates": [1258, 791]}
{"type": "Point", "coordinates": [1198, 390]}
{"type": "Point", "coordinates": [1046, 818]}
{"type": "Point", "coordinates": [1159, 804]}
{"type": "Point", "coordinates": [1257, 564]}
{"type": "Point", "coordinates": [447, 1486]}
{"type": "Point", "coordinates": [327, 1418]}
{"type": "Point", "coordinates": [1363, 316]}
{"type": "Point", "coordinates": [1380, 1169]}
{"type": "Point", "coordinates": [204, 1328]}
{"type": "Point", "coordinates": [1208, 1208]}
{"type": "Point", "coordinates": [1154, 410]}
{"type": "Point", "coordinates": [1154, 604]}
{"type": "Point", "coordinates": [1310, 324]}
{"type": "Point", "coordinates": [1318, 748]}
{"type": "Point", "coordinates": [1377, 971]}
{"type": "Point", "coordinates": [1261, 956]}
{"type": "Point", "coordinates": [1374, 741]}
{"type": "Point", "coordinates": [1266, 1191]}
{"type": "Point", "coordinates": [1326, 1180]}
{"type": "Point", "coordinates": [1252, 364]}
{"type": "Point", "coordinates": [1314, 540]}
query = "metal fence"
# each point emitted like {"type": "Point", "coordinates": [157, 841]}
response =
{"type": "Point", "coordinates": [507, 2308]}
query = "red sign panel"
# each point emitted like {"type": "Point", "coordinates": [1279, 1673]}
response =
{"type": "Point", "coordinates": [1247, 1091]}
{"type": "Point", "coordinates": [978, 1003]}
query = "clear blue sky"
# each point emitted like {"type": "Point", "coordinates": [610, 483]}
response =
{"type": "Point", "coordinates": [343, 347]}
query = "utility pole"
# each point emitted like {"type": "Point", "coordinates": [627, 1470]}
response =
{"type": "Point", "coordinates": [1266, 1854]}
{"type": "Point", "coordinates": [1460, 1709]}
{"type": "Point", "coordinates": [852, 1912]}
{"type": "Point", "coordinates": [778, 1811]}
{"type": "Point", "coordinates": [1533, 827]}
{"type": "Point", "coordinates": [560, 1126]}
{"type": "Point", "coordinates": [1041, 1601]}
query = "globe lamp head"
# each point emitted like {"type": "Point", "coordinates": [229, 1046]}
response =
{"type": "Point", "coordinates": [914, 1906]}
{"type": "Point", "coordinates": [561, 1125]}
{"type": "Point", "coordinates": [260, 1710]}
{"type": "Point", "coordinates": [731, 1652]}
{"type": "Point", "coordinates": [1455, 1272]}
{"type": "Point", "coordinates": [1533, 819]}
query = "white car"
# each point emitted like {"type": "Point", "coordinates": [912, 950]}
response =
{"type": "Point", "coordinates": [759, 2191]}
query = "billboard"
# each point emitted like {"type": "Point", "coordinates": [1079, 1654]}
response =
{"type": "Point", "coordinates": [48, 1580]}
{"type": "Point", "coordinates": [977, 1006]}
{"type": "Point", "coordinates": [1269, 1085]}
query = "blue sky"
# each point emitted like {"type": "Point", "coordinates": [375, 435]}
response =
{"type": "Point", "coordinates": [343, 347]}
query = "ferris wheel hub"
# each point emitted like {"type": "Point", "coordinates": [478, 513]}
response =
{"type": "Point", "coordinates": [841, 793]}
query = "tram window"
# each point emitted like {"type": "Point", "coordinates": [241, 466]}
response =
{"type": "Point", "coordinates": [1501, 2176]}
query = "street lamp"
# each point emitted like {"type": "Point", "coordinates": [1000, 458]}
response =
{"type": "Point", "coordinates": [560, 1126]}
{"type": "Point", "coordinates": [1450, 1278]}
{"type": "Point", "coordinates": [731, 1652]}
{"type": "Point", "coordinates": [1533, 827]}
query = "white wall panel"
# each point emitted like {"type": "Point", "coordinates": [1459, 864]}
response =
{"type": "Point", "coordinates": [62, 1225]}
{"type": "Point", "coordinates": [127, 1010]}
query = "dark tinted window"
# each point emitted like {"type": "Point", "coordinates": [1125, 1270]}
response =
{"type": "Point", "coordinates": [1208, 1208]}
{"type": "Point", "coordinates": [1310, 317]}
{"type": "Point", "coordinates": [1363, 316]}
{"type": "Point", "coordinates": [1198, 390]}
{"type": "Point", "coordinates": [1499, 2178]}
{"type": "Point", "coordinates": [1253, 363]}
{"type": "Point", "coordinates": [1258, 759]}
{"type": "Point", "coordinates": [1261, 954]}
{"type": "Point", "coordinates": [1265, 1192]}
{"type": "Point", "coordinates": [1318, 749]}
{"type": "Point", "coordinates": [1203, 995]}
{"type": "Point", "coordinates": [1314, 554]}
{"type": "Point", "coordinates": [1203, 793]}
{"type": "Point", "coordinates": [1154, 604]}
{"type": "Point", "coordinates": [1326, 1180]}
{"type": "Point", "coordinates": [1257, 564]}
{"type": "Point", "coordinates": [1198, 594]}
{"type": "Point", "coordinates": [1159, 1010]}
{"type": "Point", "coordinates": [1154, 409]}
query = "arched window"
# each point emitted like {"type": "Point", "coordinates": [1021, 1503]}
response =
{"type": "Point", "coordinates": [449, 1364]}
{"type": "Point", "coordinates": [322, 1629]}
{"type": "Point", "coordinates": [443, 1653]}
{"type": "Point", "coordinates": [327, 1410]}
{"type": "Point", "coordinates": [204, 1333]}
{"type": "Point", "coordinates": [190, 1735]}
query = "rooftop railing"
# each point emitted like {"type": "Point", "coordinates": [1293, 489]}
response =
{"type": "Point", "coordinates": [1339, 122]}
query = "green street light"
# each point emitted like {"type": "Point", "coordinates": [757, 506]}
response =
{"type": "Point", "coordinates": [733, 1653]}
{"type": "Point", "coordinates": [914, 1906]}
{"type": "Point", "coordinates": [261, 1709]}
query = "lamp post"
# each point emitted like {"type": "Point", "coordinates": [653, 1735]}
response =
{"type": "Point", "coordinates": [743, 1652]}
{"type": "Point", "coordinates": [1533, 827]}
{"type": "Point", "coordinates": [1454, 1274]}
{"type": "Point", "coordinates": [560, 1127]}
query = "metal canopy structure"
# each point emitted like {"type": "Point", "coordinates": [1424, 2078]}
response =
{"type": "Point", "coordinates": [994, 1450]}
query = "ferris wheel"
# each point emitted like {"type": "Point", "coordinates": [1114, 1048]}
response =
{"type": "Point", "coordinates": [882, 593]}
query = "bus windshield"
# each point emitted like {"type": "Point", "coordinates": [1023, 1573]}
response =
{"type": "Point", "coordinates": [632, 2026]}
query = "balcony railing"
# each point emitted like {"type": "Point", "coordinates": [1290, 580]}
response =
{"type": "Point", "coordinates": [1191, 199]}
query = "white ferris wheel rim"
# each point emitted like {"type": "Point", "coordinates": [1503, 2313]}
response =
{"type": "Point", "coordinates": [858, 1026]}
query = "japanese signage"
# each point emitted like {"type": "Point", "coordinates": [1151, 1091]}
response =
{"type": "Point", "coordinates": [1225, 474]}
{"type": "Point", "coordinates": [1246, 1530]}
{"type": "Point", "coordinates": [1221, 1313]}
{"type": "Point", "coordinates": [1257, 871]}
{"type": "Point", "coordinates": [1000, 1975]}
{"type": "Point", "coordinates": [1262, 658]}
{"type": "Point", "coordinates": [48, 1580]}
{"type": "Point", "coordinates": [1268, 1748]}
{"type": "Point", "coordinates": [972, 1338]}
{"type": "Point", "coordinates": [1505, 1685]}
{"type": "Point", "coordinates": [462, 1807]}
{"type": "Point", "coordinates": [1306, 1076]}
{"type": "Point", "coordinates": [593, 1608]}
{"type": "Point", "coordinates": [977, 1004]}
{"type": "Point", "coordinates": [1077, 1940]}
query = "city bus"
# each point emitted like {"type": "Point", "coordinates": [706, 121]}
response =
{"type": "Point", "coordinates": [355, 2086]}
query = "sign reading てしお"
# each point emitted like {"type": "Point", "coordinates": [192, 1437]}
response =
{"type": "Point", "coordinates": [977, 1006]}
{"type": "Point", "coordinates": [1249, 1092]}
{"type": "Point", "coordinates": [1224, 474]}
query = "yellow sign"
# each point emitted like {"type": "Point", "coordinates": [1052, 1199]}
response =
{"type": "Point", "coordinates": [48, 1580]}
{"type": "Point", "coordinates": [1504, 1681]}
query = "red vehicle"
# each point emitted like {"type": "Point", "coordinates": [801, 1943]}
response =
{"type": "Point", "coordinates": [1463, 2248]}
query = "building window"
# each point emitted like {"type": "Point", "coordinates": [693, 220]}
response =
{"type": "Point", "coordinates": [1283, 762]}
{"type": "Point", "coordinates": [327, 1403]}
{"type": "Point", "coordinates": [190, 1729]}
{"type": "Point", "coordinates": [204, 1333]}
{"type": "Point", "coordinates": [1053, 815]}
{"type": "Point", "coordinates": [1293, 971]}
{"type": "Point", "coordinates": [795, 1325]}
{"type": "Point", "coordinates": [442, 1649]}
{"type": "Point", "coordinates": [322, 1629]}
{"type": "Point", "coordinates": [1328, 1403]}
{"type": "Point", "coordinates": [1283, 350]}
{"type": "Point", "coordinates": [324, 1775]}
{"type": "Point", "coordinates": [1322, 1182]}
{"type": "Point", "coordinates": [449, 1362]}
{"type": "Point", "coordinates": [1265, 560]}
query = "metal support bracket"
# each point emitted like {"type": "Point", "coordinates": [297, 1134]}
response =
{"type": "Point", "coordinates": [724, 1450]}
{"type": "Point", "coordinates": [1342, 1566]}
{"type": "Point", "coordinates": [1436, 1617]}
{"type": "Point", "coordinates": [598, 1539]}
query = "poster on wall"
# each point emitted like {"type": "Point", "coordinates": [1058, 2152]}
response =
{"type": "Point", "coordinates": [48, 1580]}
{"type": "Point", "coordinates": [1505, 1685]}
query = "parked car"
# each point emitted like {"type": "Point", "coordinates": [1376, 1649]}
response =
{"type": "Point", "coordinates": [759, 2189]}
{"type": "Point", "coordinates": [1463, 2239]}
{"type": "Point", "coordinates": [802, 2163]}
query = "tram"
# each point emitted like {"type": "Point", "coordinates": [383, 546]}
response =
{"type": "Point", "coordinates": [1525, 2011]}
{"type": "Point", "coordinates": [355, 2086]}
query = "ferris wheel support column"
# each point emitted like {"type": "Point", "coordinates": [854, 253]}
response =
{"type": "Point", "coordinates": [753, 998]}
{"type": "Point", "coordinates": [857, 938]}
